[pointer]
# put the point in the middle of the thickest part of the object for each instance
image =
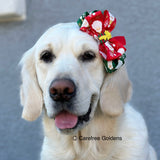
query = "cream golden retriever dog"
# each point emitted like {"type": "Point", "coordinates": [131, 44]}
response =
{"type": "Point", "coordinates": [86, 115]}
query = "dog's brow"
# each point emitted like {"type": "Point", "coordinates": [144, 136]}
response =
{"type": "Point", "coordinates": [53, 47]}
{"type": "Point", "coordinates": [86, 46]}
{"type": "Point", "coordinates": [43, 47]}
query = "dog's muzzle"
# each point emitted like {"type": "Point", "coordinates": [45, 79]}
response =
{"type": "Point", "coordinates": [62, 91]}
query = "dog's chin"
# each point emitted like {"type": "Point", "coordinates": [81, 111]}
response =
{"type": "Point", "coordinates": [81, 122]}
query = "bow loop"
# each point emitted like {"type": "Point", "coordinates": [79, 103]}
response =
{"type": "Point", "coordinates": [99, 25]}
{"type": "Point", "coordinates": [109, 21]}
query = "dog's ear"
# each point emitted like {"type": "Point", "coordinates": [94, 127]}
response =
{"type": "Point", "coordinates": [115, 92]}
{"type": "Point", "coordinates": [30, 92]}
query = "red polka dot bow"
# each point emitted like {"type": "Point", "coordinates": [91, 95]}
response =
{"type": "Point", "coordinates": [99, 25]}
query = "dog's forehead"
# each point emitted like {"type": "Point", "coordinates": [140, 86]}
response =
{"type": "Point", "coordinates": [65, 33]}
{"type": "Point", "coordinates": [59, 30]}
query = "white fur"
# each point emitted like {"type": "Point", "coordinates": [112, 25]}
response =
{"type": "Point", "coordinates": [130, 126]}
{"type": "Point", "coordinates": [110, 115]}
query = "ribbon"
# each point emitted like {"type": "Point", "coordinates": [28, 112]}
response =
{"type": "Point", "coordinates": [99, 25]}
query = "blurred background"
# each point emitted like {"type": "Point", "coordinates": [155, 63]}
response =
{"type": "Point", "coordinates": [137, 20]}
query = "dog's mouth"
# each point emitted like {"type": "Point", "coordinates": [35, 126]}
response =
{"type": "Point", "coordinates": [66, 120]}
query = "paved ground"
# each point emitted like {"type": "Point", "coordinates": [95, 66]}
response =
{"type": "Point", "coordinates": [137, 20]}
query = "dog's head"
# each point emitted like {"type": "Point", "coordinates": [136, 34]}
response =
{"type": "Point", "coordinates": [64, 73]}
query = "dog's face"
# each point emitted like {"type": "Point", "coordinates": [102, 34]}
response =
{"type": "Point", "coordinates": [64, 73]}
{"type": "Point", "coordinates": [70, 74]}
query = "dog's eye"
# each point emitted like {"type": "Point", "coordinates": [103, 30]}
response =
{"type": "Point", "coordinates": [87, 56]}
{"type": "Point", "coordinates": [47, 56]}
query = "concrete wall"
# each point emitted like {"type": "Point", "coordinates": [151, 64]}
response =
{"type": "Point", "coordinates": [138, 20]}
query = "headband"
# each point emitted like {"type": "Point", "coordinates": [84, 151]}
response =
{"type": "Point", "coordinates": [99, 25]}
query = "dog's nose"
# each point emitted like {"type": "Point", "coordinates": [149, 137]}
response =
{"type": "Point", "coordinates": [62, 90]}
